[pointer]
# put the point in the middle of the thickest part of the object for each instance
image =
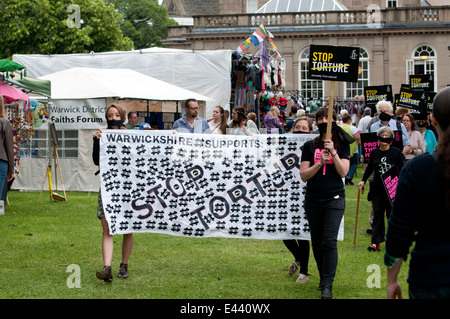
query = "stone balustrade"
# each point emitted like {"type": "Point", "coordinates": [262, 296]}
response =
{"type": "Point", "coordinates": [371, 17]}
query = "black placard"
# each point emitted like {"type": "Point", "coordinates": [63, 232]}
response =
{"type": "Point", "coordinates": [421, 82]}
{"type": "Point", "coordinates": [369, 141]}
{"type": "Point", "coordinates": [373, 94]}
{"type": "Point", "coordinates": [333, 63]}
{"type": "Point", "coordinates": [430, 99]}
{"type": "Point", "coordinates": [414, 100]}
{"type": "Point", "coordinates": [390, 182]}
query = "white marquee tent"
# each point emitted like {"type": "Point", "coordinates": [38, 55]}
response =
{"type": "Point", "coordinates": [207, 72]}
{"type": "Point", "coordinates": [90, 83]}
{"type": "Point", "coordinates": [80, 97]}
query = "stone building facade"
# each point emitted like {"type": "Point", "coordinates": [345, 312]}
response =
{"type": "Point", "coordinates": [396, 37]}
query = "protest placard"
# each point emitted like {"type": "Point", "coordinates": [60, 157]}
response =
{"type": "Point", "coordinates": [416, 101]}
{"type": "Point", "coordinates": [390, 182]}
{"type": "Point", "coordinates": [430, 98]}
{"type": "Point", "coordinates": [423, 82]}
{"type": "Point", "coordinates": [373, 94]}
{"type": "Point", "coordinates": [369, 141]}
{"type": "Point", "coordinates": [333, 63]}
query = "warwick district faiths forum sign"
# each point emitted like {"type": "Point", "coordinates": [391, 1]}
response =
{"type": "Point", "coordinates": [203, 185]}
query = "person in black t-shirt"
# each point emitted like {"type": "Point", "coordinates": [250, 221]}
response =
{"type": "Point", "coordinates": [115, 116]}
{"type": "Point", "coordinates": [421, 215]}
{"type": "Point", "coordinates": [381, 160]}
{"type": "Point", "coordinates": [324, 165]}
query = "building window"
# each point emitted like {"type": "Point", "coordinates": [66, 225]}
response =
{"type": "Point", "coordinates": [391, 3]}
{"type": "Point", "coordinates": [38, 147]}
{"type": "Point", "coordinates": [252, 6]}
{"type": "Point", "coordinates": [309, 89]}
{"type": "Point", "coordinates": [357, 88]}
{"type": "Point", "coordinates": [423, 62]}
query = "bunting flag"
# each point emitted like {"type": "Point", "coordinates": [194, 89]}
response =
{"type": "Point", "coordinates": [277, 52]}
{"type": "Point", "coordinates": [256, 38]}
{"type": "Point", "coordinates": [260, 33]}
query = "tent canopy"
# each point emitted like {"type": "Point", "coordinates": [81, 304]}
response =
{"type": "Point", "coordinates": [32, 85]}
{"type": "Point", "coordinates": [88, 83]}
{"type": "Point", "coordinates": [10, 66]}
{"type": "Point", "coordinates": [11, 94]}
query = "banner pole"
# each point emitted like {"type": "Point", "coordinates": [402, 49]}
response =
{"type": "Point", "coordinates": [330, 111]}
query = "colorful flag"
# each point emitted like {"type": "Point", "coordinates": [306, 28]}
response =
{"type": "Point", "coordinates": [255, 40]}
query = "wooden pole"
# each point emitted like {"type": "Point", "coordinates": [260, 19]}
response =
{"type": "Point", "coordinates": [330, 111]}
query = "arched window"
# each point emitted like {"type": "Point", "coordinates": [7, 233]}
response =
{"type": "Point", "coordinates": [357, 88]}
{"type": "Point", "coordinates": [309, 89]}
{"type": "Point", "coordinates": [423, 61]}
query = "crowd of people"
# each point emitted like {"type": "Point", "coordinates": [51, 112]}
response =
{"type": "Point", "coordinates": [327, 164]}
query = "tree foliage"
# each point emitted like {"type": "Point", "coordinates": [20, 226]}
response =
{"type": "Point", "coordinates": [50, 27]}
{"type": "Point", "coordinates": [144, 21]}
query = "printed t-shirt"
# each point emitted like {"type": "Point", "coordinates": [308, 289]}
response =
{"type": "Point", "coordinates": [326, 183]}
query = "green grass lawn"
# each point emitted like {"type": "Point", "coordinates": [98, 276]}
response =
{"type": "Point", "coordinates": [39, 240]}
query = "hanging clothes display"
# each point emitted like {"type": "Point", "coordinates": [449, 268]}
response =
{"type": "Point", "coordinates": [264, 75]}
{"type": "Point", "coordinates": [240, 86]}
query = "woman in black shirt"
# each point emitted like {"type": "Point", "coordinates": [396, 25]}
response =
{"type": "Point", "coordinates": [115, 116]}
{"type": "Point", "coordinates": [421, 214]}
{"type": "Point", "coordinates": [381, 160]}
{"type": "Point", "coordinates": [324, 164]}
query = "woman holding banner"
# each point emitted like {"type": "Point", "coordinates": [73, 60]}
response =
{"type": "Point", "coordinates": [421, 213]}
{"type": "Point", "coordinates": [324, 164]}
{"type": "Point", "coordinates": [381, 160]}
{"type": "Point", "coordinates": [115, 116]}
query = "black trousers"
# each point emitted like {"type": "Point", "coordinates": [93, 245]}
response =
{"type": "Point", "coordinates": [381, 206]}
{"type": "Point", "coordinates": [300, 250]}
{"type": "Point", "coordinates": [324, 218]}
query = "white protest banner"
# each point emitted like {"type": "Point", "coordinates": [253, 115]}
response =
{"type": "Point", "coordinates": [203, 185]}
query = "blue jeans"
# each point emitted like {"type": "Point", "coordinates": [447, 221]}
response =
{"type": "Point", "coordinates": [324, 218]}
{"type": "Point", "coordinates": [429, 293]}
{"type": "Point", "coordinates": [354, 161]}
{"type": "Point", "coordinates": [3, 172]}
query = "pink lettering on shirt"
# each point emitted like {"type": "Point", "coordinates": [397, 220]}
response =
{"type": "Point", "coordinates": [318, 156]}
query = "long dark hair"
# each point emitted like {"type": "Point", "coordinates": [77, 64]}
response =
{"type": "Point", "coordinates": [240, 110]}
{"type": "Point", "coordinates": [223, 121]}
{"type": "Point", "coordinates": [441, 112]}
{"type": "Point", "coordinates": [318, 142]}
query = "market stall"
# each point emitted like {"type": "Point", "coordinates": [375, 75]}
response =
{"type": "Point", "coordinates": [258, 75]}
